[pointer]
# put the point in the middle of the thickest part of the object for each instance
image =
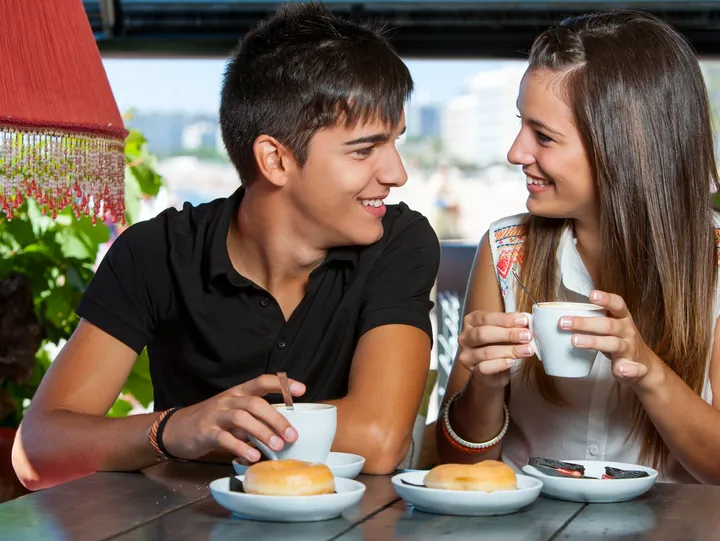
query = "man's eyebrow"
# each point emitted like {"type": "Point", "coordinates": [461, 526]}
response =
{"type": "Point", "coordinates": [375, 138]}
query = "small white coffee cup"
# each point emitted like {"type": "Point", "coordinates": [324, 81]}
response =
{"type": "Point", "coordinates": [315, 424]}
{"type": "Point", "coordinates": [553, 345]}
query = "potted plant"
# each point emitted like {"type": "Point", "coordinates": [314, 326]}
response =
{"type": "Point", "coordinates": [45, 266]}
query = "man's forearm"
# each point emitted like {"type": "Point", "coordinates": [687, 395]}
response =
{"type": "Point", "coordinates": [64, 445]}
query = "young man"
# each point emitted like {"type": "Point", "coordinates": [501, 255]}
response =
{"type": "Point", "coordinates": [302, 270]}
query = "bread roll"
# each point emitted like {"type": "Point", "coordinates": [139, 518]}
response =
{"type": "Point", "coordinates": [288, 478]}
{"type": "Point", "coordinates": [487, 476]}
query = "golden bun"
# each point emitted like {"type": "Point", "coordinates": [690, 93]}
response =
{"type": "Point", "coordinates": [288, 478]}
{"type": "Point", "coordinates": [487, 476]}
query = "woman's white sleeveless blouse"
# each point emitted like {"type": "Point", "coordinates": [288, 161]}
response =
{"type": "Point", "coordinates": [594, 423]}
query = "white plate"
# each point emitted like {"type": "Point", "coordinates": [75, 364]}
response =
{"type": "Point", "coordinates": [341, 465]}
{"type": "Point", "coordinates": [466, 503]}
{"type": "Point", "coordinates": [595, 490]}
{"type": "Point", "coordinates": [288, 508]}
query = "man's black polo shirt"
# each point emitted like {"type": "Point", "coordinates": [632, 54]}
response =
{"type": "Point", "coordinates": [168, 284]}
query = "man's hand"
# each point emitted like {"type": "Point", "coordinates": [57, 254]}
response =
{"type": "Point", "coordinates": [224, 422]}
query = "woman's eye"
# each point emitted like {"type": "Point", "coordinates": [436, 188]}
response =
{"type": "Point", "coordinates": [542, 138]}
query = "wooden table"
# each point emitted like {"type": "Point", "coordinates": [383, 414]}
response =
{"type": "Point", "coordinates": [171, 501]}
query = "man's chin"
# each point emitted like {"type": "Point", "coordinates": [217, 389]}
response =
{"type": "Point", "coordinates": [366, 237]}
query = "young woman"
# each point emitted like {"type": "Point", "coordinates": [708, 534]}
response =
{"type": "Point", "coordinates": [616, 143]}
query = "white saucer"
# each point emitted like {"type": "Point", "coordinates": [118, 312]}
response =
{"type": "Point", "coordinates": [288, 508]}
{"type": "Point", "coordinates": [341, 465]}
{"type": "Point", "coordinates": [345, 464]}
{"type": "Point", "coordinates": [595, 490]}
{"type": "Point", "coordinates": [465, 503]}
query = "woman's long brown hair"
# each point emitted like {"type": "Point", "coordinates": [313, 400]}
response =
{"type": "Point", "coordinates": [641, 107]}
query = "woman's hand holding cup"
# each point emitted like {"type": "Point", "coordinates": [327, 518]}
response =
{"type": "Point", "coordinates": [489, 344]}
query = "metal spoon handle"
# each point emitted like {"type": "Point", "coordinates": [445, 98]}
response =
{"type": "Point", "coordinates": [523, 286]}
{"type": "Point", "coordinates": [285, 388]}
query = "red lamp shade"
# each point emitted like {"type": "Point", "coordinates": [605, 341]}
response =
{"type": "Point", "coordinates": [61, 134]}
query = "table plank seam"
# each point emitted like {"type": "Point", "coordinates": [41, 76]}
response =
{"type": "Point", "coordinates": [567, 522]}
{"type": "Point", "coordinates": [155, 517]}
{"type": "Point", "coordinates": [365, 519]}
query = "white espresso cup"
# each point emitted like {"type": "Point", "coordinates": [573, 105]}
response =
{"type": "Point", "coordinates": [315, 425]}
{"type": "Point", "coordinates": [553, 345]}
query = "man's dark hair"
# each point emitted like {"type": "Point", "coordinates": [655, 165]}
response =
{"type": "Point", "coordinates": [301, 71]}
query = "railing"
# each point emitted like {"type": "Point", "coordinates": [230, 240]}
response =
{"type": "Point", "coordinates": [455, 267]}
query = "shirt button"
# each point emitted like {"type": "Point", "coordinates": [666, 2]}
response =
{"type": "Point", "coordinates": [594, 450]}
{"type": "Point", "coordinates": [264, 302]}
{"type": "Point", "coordinates": [281, 344]}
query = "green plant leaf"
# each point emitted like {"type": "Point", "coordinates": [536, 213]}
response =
{"type": "Point", "coordinates": [59, 305]}
{"type": "Point", "coordinates": [121, 408]}
{"type": "Point", "coordinates": [133, 196]}
{"type": "Point", "coordinates": [75, 279]}
{"type": "Point", "coordinates": [148, 180]}
{"type": "Point", "coordinates": [21, 230]}
{"type": "Point", "coordinates": [74, 246]}
{"type": "Point", "coordinates": [40, 222]}
{"type": "Point", "coordinates": [35, 247]}
{"type": "Point", "coordinates": [142, 365]}
{"type": "Point", "coordinates": [5, 265]}
{"type": "Point", "coordinates": [134, 142]}
{"type": "Point", "coordinates": [82, 239]}
{"type": "Point", "coordinates": [93, 234]}
{"type": "Point", "coordinates": [142, 164]}
{"type": "Point", "coordinates": [12, 396]}
{"type": "Point", "coordinates": [139, 384]}
{"type": "Point", "coordinates": [43, 361]}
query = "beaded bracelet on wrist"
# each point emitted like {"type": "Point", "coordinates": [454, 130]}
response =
{"type": "Point", "coordinates": [467, 446]}
{"type": "Point", "coordinates": [156, 433]}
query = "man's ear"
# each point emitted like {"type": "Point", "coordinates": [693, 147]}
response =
{"type": "Point", "coordinates": [274, 160]}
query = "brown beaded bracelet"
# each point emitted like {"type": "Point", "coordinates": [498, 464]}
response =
{"type": "Point", "coordinates": [155, 436]}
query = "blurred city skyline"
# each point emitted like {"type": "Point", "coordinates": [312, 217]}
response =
{"type": "Point", "coordinates": [193, 85]}
{"type": "Point", "coordinates": [466, 106]}
{"type": "Point", "coordinates": [461, 123]}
